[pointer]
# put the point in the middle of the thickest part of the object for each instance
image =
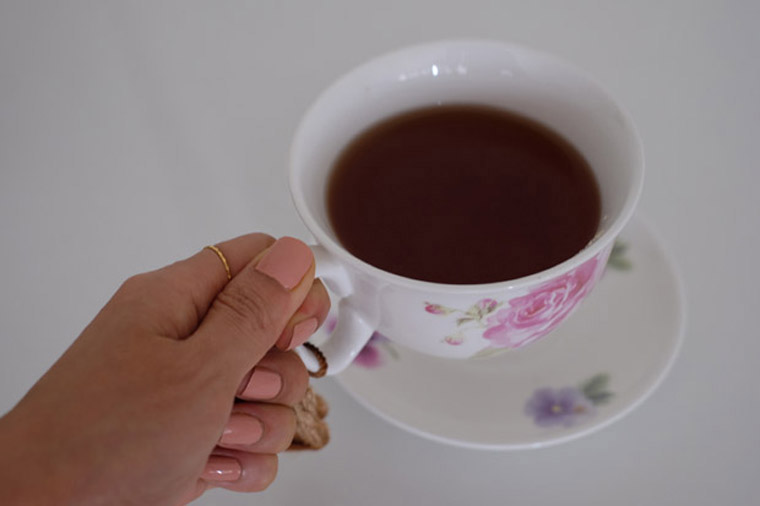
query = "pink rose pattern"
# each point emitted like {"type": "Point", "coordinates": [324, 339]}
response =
{"type": "Point", "coordinates": [524, 319]}
{"type": "Point", "coordinates": [533, 315]}
{"type": "Point", "coordinates": [436, 309]}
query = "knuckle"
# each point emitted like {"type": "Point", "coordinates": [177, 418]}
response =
{"type": "Point", "coordinates": [135, 284]}
{"type": "Point", "coordinates": [268, 239]}
{"type": "Point", "coordinates": [317, 301]}
{"type": "Point", "coordinates": [162, 299]}
{"type": "Point", "coordinates": [246, 309]}
{"type": "Point", "coordinates": [134, 290]}
{"type": "Point", "coordinates": [299, 379]}
{"type": "Point", "coordinates": [289, 423]}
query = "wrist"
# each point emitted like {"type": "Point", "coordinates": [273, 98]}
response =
{"type": "Point", "coordinates": [30, 472]}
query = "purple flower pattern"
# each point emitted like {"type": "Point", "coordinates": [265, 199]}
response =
{"type": "Point", "coordinates": [568, 406]}
{"type": "Point", "coordinates": [371, 356]}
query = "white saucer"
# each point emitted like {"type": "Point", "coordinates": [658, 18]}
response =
{"type": "Point", "coordinates": [597, 367]}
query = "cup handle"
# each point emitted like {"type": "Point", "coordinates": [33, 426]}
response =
{"type": "Point", "coordinates": [351, 332]}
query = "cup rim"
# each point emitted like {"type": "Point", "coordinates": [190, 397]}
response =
{"type": "Point", "coordinates": [599, 242]}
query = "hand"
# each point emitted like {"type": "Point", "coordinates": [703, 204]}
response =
{"type": "Point", "coordinates": [142, 408]}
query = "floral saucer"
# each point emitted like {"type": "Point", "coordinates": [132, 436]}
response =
{"type": "Point", "coordinates": [594, 369]}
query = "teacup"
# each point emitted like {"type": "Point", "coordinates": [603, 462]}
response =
{"type": "Point", "coordinates": [461, 321]}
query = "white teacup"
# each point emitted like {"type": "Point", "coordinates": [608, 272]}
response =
{"type": "Point", "coordinates": [461, 321]}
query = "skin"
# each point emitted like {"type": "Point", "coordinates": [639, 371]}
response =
{"type": "Point", "coordinates": [135, 408]}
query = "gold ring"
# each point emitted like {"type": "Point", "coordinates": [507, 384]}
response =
{"type": "Point", "coordinates": [222, 258]}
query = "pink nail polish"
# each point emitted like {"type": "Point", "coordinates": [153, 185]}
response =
{"type": "Point", "coordinates": [287, 261]}
{"type": "Point", "coordinates": [220, 468]}
{"type": "Point", "coordinates": [302, 331]}
{"type": "Point", "coordinates": [264, 384]}
{"type": "Point", "coordinates": [241, 429]}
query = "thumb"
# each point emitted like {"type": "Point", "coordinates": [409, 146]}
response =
{"type": "Point", "coordinates": [247, 317]}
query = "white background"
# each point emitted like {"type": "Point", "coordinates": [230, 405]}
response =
{"type": "Point", "coordinates": [133, 133]}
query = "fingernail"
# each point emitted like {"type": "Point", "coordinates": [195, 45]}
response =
{"type": "Point", "coordinates": [287, 261]}
{"type": "Point", "coordinates": [264, 384]}
{"type": "Point", "coordinates": [242, 429]}
{"type": "Point", "coordinates": [302, 331]}
{"type": "Point", "coordinates": [220, 468]}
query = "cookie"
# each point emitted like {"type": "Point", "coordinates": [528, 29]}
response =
{"type": "Point", "coordinates": [312, 432]}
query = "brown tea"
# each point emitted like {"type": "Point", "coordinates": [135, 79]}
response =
{"type": "Point", "coordinates": [462, 194]}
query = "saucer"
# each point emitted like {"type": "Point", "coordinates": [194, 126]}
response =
{"type": "Point", "coordinates": [597, 367]}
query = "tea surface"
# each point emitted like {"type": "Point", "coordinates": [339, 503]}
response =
{"type": "Point", "coordinates": [462, 194]}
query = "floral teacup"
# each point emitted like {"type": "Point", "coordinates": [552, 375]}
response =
{"type": "Point", "coordinates": [461, 321]}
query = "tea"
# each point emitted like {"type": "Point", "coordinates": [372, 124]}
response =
{"type": "Point", "coordinates": [462, 194]}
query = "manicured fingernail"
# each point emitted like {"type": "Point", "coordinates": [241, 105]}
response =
{"type": "Point", "coordinates": [220, 468]}
{"type": "Point", "coordinates": [287, 261]}
{"type": "Point", "coordinates": [264, 384]}
{"type": "Point", "coordinates": [242, 429]}
{"type": "Point", "coordinates": [302, 331]}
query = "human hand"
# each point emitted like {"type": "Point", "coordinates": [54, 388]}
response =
{"type": "Point", "coordinates": [142, 408]}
